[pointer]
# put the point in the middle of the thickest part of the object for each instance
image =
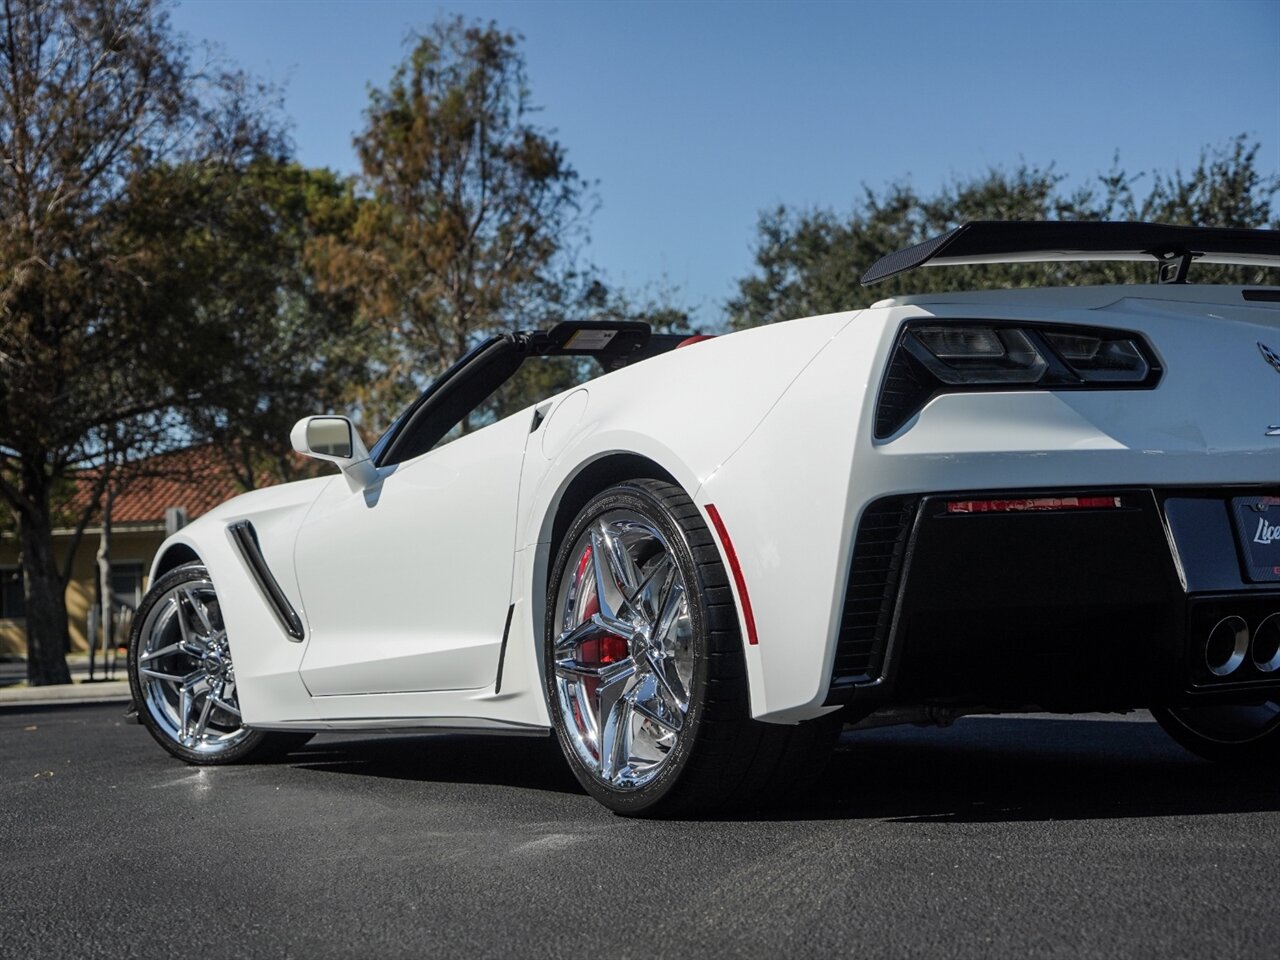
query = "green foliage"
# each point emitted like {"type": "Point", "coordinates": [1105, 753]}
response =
{"type": "Point", "coordinates": [116, 218]}
{"type": "Point", "coordinates": [292, 346]}
{"type": "Point", "coordinates": [466, 213]}
{"type": "Point", "coordinates": [810, 262]}
{"type": "Point", "coordinates": [155, 290]}
{"type": "Point", "coordinates": [133, 202]}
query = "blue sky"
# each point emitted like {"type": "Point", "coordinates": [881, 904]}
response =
{"type": "Point", "coordinates": [693, 117]}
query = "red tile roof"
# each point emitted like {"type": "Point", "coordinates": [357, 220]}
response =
{"type": "Point", "coordinates": [196, 478]}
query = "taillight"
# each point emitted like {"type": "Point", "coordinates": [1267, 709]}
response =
{"type": "Point", "coordinates": [969, 355]}
{"type": "Point", "coordinates": [1101, 359]}
{"type": "Point", "coordinates": [1034, 504]}
{"type": "Point", "coordinates": [933, 357]}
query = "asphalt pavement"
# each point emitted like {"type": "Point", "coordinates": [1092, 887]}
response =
{"type": "Point", "coordinates": [997, 837]}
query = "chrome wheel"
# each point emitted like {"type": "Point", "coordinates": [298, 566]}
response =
{"type": "Point", "coordinates": [185, 673]}
{"type": "Point", "coordinates": [623, 655]}
{"type": "Point", "coordinates": [646, 678]}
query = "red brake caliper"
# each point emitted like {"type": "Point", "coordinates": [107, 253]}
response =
{"type": "Point", "coordinates": [599, 651]}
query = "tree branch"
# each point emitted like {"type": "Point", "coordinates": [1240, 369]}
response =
{"type": "Point", "coordinates": [17, 500]}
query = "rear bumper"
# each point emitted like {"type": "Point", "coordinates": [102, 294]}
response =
{"type": "Point", "coordinates": [793, 494]}
{"type": "Point", "coordinates": [1060, 609]}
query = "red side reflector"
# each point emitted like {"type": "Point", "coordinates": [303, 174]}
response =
{"type": "Point", "coordinates": [1033, 503]}
{"type": "Point", "coordinates": [736, 570]}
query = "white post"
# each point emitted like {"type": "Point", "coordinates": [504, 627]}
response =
{"type": "Point", "coordinates": [104, 575]}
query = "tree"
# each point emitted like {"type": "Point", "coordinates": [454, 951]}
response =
{"type": "Point", "coordinates": [467, 210]}
{"type": "Point", "coordinates": [297, 350]}
{"type": "Point", "coordinates": [102, 344]}
{"type": "Point", "coordinates": [810, 262]}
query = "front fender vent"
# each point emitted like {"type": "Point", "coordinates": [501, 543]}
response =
{"type": "Point", "coordinates": [245, 539]}
{"type": "Point", "coordinates": [871, 596]}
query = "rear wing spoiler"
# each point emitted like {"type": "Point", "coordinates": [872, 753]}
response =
{"type": "Point", "coordinates": [1037, 241]}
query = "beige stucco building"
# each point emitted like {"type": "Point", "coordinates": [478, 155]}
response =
{"type": "Point", "coordinates": [192, 480]}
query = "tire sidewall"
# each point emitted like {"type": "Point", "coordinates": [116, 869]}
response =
{"type": "Point", "coordinates": [1179, 723]}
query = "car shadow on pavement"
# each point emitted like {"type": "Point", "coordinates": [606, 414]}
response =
{"type": "Point", "coordinates": [992, 769]}
{"type": "Point", "coordinates": [527, 762]}
{"type": "Point", "coordinates": [981, 769]}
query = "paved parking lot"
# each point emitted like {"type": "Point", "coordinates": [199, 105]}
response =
{"type": "Point", "coordinates": [996, 837]}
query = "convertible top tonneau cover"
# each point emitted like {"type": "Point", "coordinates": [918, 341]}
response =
{"type": "Point", "coordinates": [1034, 241]}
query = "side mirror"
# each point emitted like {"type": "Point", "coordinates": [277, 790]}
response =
{"type": "Point", "coordinates": [335, 439]}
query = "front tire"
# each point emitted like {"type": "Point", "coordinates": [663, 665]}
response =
{"type": "Point", "coordinates": [182, 676]}
{"type": "Point", "coordinates": [646, 680]}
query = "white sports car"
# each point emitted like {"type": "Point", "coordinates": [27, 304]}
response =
{"type": "Point", "coordinates": [696, 567]}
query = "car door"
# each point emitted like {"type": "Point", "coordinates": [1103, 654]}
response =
{"type": "Point", "coordinates": [407, 582]}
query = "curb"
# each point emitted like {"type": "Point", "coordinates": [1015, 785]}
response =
{"type": "Point", "coordinates": [111, 691]}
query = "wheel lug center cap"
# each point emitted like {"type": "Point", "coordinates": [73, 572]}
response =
{"type": "Point", "coordinates": [214, 666]}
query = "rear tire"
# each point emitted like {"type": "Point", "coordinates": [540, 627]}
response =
{"type": "Point", "coordinates": [1237, 734]}
{"type": "Point", "coordinates": [646, 679]}
{"type": "Point", "coordinates": [182, 676]}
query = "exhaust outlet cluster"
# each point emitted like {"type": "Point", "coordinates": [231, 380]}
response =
{"type": "Point", "coordinates": [1231, 642]}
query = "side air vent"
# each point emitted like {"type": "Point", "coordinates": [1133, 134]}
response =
{"type": "Point", "coordinates": [246, 540]}
{"type": "Point", "coordinates": [871, 595]}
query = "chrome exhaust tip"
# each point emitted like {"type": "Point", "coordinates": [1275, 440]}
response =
{"type": "Point", "coordinates": [1227, 645]}
{"type": "Point", "coordinates": [1265, 649]}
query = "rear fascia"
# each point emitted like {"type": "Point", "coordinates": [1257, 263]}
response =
{"type": "Point", "coordinates": [1064, 600]}
{"type": "Point", "coordinates": [815, 463]}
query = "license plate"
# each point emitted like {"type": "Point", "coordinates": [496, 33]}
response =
{"type": "Point", "coordinates": [1258, 530]}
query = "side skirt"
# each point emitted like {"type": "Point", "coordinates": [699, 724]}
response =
{"type": "Point", "coordinates": [470, 726]}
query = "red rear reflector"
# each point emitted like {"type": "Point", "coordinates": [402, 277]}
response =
{"type": "Point", "coordinates": [736, 570]}
{"type": "Point", "coordinates": [1033, 503]}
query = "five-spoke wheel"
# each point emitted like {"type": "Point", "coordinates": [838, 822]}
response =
{"type": "Point", "coordinates": [185, 670]}
{"type": "Point", "coordinates": [623, 655]}
{"type": "Point", "coordinates": [183, 678]}
{"type": "Point", "coordinates": [646, 679]}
